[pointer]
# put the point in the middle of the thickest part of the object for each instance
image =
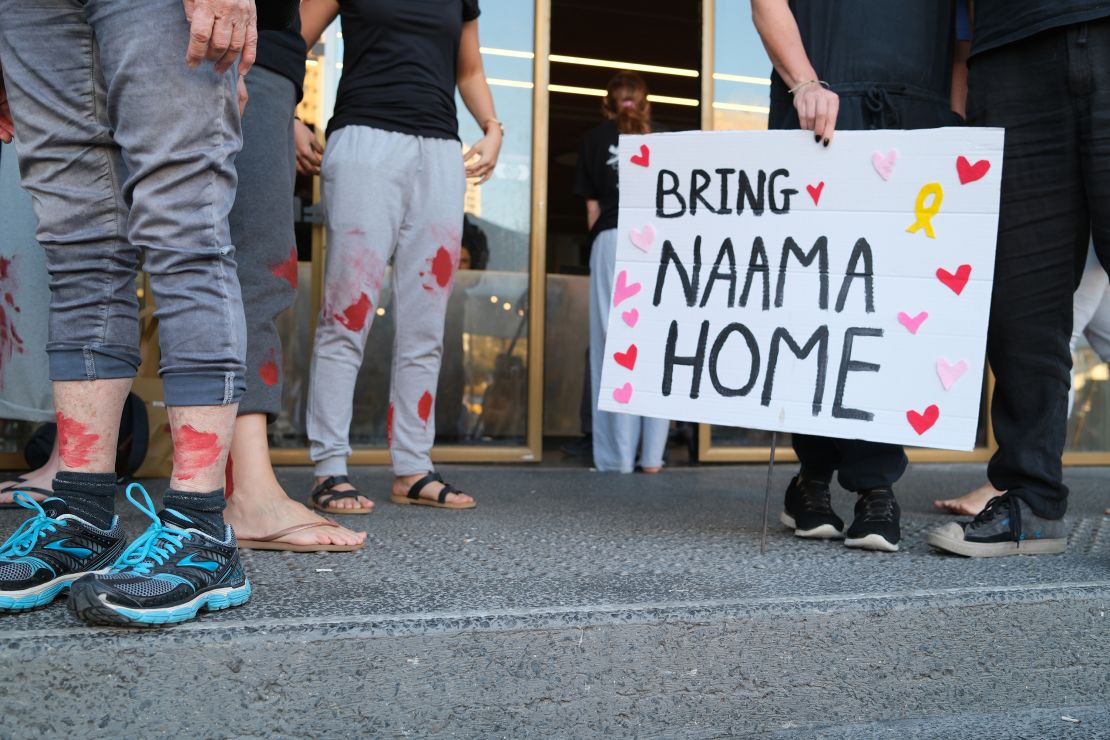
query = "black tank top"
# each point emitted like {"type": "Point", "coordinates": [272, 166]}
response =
{"type": "Point", "coordinates": [890, 62]}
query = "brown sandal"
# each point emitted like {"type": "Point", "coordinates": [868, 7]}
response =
{"type": "Point", "coordinates": [270, 541]}
{"type": "Point", "coordinates": [413, 496]}
{"type": "Point", "coordinates": [322, 495]}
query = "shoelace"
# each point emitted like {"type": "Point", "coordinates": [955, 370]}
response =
{"type": "Point", "coordinates": [816, 497]}
{"type": "Point", "coordinates": [23, 539]}
{"type": "Point", "coordinates": [994, 508]}
{"type": "Point", "coordinates": [155, 545]}
{"type": "Point", "coordinates": [878, 508]}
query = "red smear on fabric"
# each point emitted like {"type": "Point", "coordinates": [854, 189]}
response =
{"type": "Point", "coordinates": [269, 373]}
{"type": "Point", "coordinates": [287, 270]}
{"type": "Point", "coordinates": [443, 267]}
{"type": "Point", "coordinates": [424, 408]}
{"type": "Point", "coordinates": [193, 451]}
{"type": "Point", "coordinates": [10, 341]}
{"type": "Point", "coordinates": [75, 443]}
{"type": "Point", "coordinates": [229, 479]}
{"type": "Point", "coordinates": [389, 427]}
{"type": "Point", "coordinates": [5, 263]}
{"type": "Point", "coordinates": [354, 316]}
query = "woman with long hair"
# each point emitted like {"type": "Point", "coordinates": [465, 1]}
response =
{"type": "Point", "coordinates": [393, 179]}
{"type": "Point", "coordinates": [627, 110]}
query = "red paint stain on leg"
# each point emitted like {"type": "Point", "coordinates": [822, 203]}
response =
{"type": "Point", "coordinates": [287, 269]}
{"type": "Point", "coordinates": [229, 479]}
{"type": "Point", "coordinates": [193, 451]}
{"type": "Point", "coordinates": [389, 427]}
{"type": "Point", "coordinates": [354, 316]}
{"type": "Point", "coordinates": [424, 408]}
{"type": "Point", "coordinates": [75, 443]}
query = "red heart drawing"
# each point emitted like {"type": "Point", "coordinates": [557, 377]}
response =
{"type": "Point", "coordinates": [644, 157]}
{"type": "Point", "coordinates": [969, 172]}
{"type": "Point", "coordinates": [627, 359]}
{"type": "Point", "coordinates": [956, 282]}
{"type": "Point", "coordinates": [815, 192]}
{"type": "Point", "coordinates": [922, 423]}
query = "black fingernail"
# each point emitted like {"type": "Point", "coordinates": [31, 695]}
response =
{"type": "Point", "coordinates": [816, 137]}
{"type": "Point", "coordinates": [826, 142]}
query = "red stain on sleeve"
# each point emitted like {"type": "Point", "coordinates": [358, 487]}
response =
{"type": "Point", "coordinates": [75, 443]}
{"type": "Point", "coordinates": [424, 408]}
{"type": "Point", "coordinates": [354, 316]}
{"type": "Point", "coordinates": [269, 373]}
{"type": "Point", "coordinates": [287, 269]}
{"type": "Point", "coordinates": [193, 451]}
{"type": "Point", "coordinates": [389, 427]}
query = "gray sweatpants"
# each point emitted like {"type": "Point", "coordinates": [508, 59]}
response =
{"type": "Point", "coordinates": [616, 436]}
{"type": "Point", "coordinates": [262, 231]}
{"type": "Point", "coordinates": [386, 196]}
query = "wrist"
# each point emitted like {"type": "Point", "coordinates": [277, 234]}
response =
{"type": "Point", "coordinates": [492, 124]}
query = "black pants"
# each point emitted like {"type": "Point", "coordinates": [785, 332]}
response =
{"type": "Point", "coordinates": [1052, 94]}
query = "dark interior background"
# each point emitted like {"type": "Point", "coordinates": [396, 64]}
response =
{"type": "Point", "coordinates": [641, 31]}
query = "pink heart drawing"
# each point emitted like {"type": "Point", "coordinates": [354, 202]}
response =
{"type": "Point", "coordinates": [949, 374]}
{"type": "Point", "coordinates": [631, 317]}
{"type": "Point", "coordinates": [643, 238]}
{"type": "Point", "coordinates": [623, 394]}
{"type": "Point", "coordinates": [884, 165]}
{"type": "Point", "coordinates": [912, 323]}
{"type": "Point", "coordinates": [622, 291]}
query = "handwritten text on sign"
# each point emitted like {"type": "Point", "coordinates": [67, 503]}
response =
{"type": "Point", "coordinates": [766, 282]}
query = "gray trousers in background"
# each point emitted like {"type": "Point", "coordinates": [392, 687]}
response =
{"type": "Point", "coordinates": [617, 437]}
{"type": "Point", "coordinates": [124, 149]}
{"type": "Point", "coordinates": [25, 390]}
{"type": "Point", "coordinates": [262, 231]}
{"type": "Point", "coordinates": [386, 196]}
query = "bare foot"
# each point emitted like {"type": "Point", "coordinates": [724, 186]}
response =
{"type": "Point", "coordinates": [970, 504]}
{"type": "Point", "coordinates": [401, 486]}
{"type": "Point", "coordinates": [652, 471]}
{"type": "Point", "coordinates": [352, 502]}
{"type": "Point", "coordinates": [256, 516]}
{"type": "Point", "coordinates": [43, 478]}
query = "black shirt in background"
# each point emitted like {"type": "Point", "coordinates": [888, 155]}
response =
{"type": "Point", "coordinates": [400, 65]}
{"type": "Point", "coordinates": [596, 177]}
{"type": "Point", "coordinates": [1000, 22]}
{"type": "Point", "coordinates": [284, 52]}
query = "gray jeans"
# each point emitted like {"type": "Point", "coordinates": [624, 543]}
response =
{"type": "Point", "coordinates": [125, 150]}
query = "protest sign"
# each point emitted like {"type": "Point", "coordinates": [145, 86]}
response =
{"type": "Point", "coordinates": [764, 281]}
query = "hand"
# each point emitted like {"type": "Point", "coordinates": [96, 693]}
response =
{"type": "Point", "coordinates": [309, 149]}
{"type": "Point", "coordinates": [817, 110]}
{"type": "Point", "coordinates": [487, 151]}
{"type": "Point", "coordinates": [7, 126]}
{"type": "Point", "coordinates": [244, 96]}
{"type": "Point", "coordinates": [222, 31]}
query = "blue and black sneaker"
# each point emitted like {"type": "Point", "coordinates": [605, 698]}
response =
{"type": "Point", "coordinates": [167, 575]}
{"type": "Point", "coordinates": [50, 551]}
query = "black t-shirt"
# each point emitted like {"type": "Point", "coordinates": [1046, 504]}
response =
{"type": "Point", "coordinates": [284, 52]}
{"type": "Point", "coordinates": [1001, 22]}
{"type": "Point", "coordinates": [400, 64]}
{"type": "Point", "coordinates": [596, 178]}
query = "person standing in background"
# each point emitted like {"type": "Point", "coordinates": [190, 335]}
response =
{"type": "Point", "coordinates": [858, 64]}
{"type": "Point", "coordinates": [617, 438]}
{"type": "Point", "coordinates": [393, 186]}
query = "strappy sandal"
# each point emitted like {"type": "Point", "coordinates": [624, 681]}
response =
{"type": "Point", "coordinates": [270, 541]}
{"type": "Point", "coordinates": [413, 496]}
{"type": "Point", "coordinates": [322, 495]}
{"type": "Point", "coordinates": [25, 489]}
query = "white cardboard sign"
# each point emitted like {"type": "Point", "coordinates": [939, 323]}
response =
{"type": "Point", "coordinates": [764, 281]}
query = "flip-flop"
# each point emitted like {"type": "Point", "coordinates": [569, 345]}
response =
{"type": "Point", "coordinates": [413, 496]}
{"type": "Point", "coordinates": [322, 495]}
{"type": "Point", "coordinates": [24, 489]}
{"type": "Point", "coordinates": [270, 541]}
{"type": "Point", "coordinates": [15, 484]}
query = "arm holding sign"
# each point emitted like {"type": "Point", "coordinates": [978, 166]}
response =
{"type": "Point", "coordinates": [593, 212]}
{"type": "Point", "coordinates": [817, 106]}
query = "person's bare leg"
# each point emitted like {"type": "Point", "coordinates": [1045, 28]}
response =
{"type": "Point", "coordinates": [402, 484]}
{"type": "Point", "coordinates": [42, 478]}
{"type": "Point", "coordinates": [971, 503]}
{"type": "Point", "coordinates": [257, 506]}
{"type": "Point", "coordinates": [201, 439]}
{"type": "Point", "coordinates": [88, 423]}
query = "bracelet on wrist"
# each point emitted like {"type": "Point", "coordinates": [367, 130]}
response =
{"type": "Point", "coordinates": [488, 121]}
{"type": "Point", "coordinates": [807, 83]}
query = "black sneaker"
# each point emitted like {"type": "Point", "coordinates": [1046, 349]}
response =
{"type": "Point", "coordinates": [50, 551]}
{"type": "Point", "coordinates": [167, 575]}
{"type": "Point", "coordinates": [877, 525]}
{"type": "Point", "coordinates": [808, 510]}
{"type": "Point", "coordinates": [1007, 526]}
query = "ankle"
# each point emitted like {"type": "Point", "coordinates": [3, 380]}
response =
{"type": "Point", "coordinates": [91, 496]}
{"type": "Point", "coordinates": [203, 511]}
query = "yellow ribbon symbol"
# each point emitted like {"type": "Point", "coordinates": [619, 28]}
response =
{"type": "Point", "coordinates": [924, 212]}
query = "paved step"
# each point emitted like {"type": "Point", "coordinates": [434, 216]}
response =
{"type": "Point", "coordinates": [578, 604]}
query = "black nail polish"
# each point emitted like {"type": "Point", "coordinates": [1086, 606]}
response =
{"type": "Point", "coordinates": [826, 142]}
{"type": "Point", "coordinates": [817, 137]}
